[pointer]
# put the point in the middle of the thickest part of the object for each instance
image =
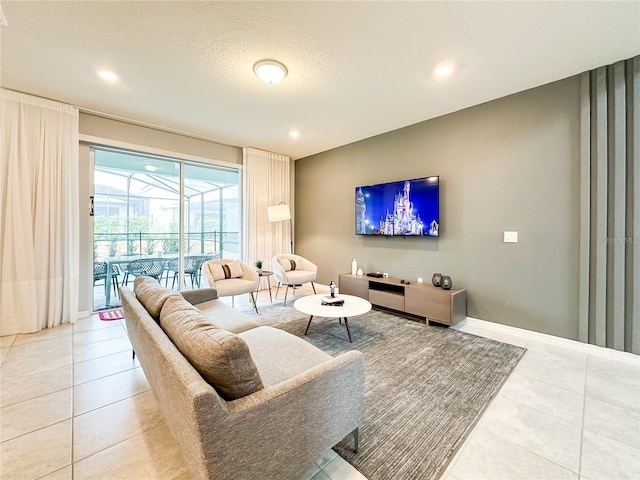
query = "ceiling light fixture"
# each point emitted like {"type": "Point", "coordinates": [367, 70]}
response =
{"type": "Point", "coordinates": [270, 71]}
{"type": "Point", "coordinates": [151, 168]}
{"type": "Point", "coordinates": [443, 70]}
{"type": "Point", "coordinates": [294, 134]}
{"type": "Point", "coordinates": [108, 75]}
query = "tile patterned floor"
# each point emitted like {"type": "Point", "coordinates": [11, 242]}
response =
{"type": "Point", "coordinates": [75, 405]}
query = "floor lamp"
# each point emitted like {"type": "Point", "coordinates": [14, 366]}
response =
{"type": "Point", "coordinates": [280, 212]}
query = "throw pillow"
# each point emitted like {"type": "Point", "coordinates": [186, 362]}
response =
{"type": "Point", "coordinates": [152, 295]}
{"type": "Point", "coordinates": [221, 271]}
{"type": "Point", "coordinates": [221, 357]}
{"type": "Point", "coordinates": [288, 264]}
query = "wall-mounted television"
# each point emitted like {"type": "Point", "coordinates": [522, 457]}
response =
{"type": "Point", "coordinates": [407, 208]}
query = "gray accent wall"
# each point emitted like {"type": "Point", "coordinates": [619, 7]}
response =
{"type": "Point", "coordinates": [510, 164]}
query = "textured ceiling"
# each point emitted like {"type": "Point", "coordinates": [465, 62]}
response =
{"type": "Point", "coordinates": [356, 69]}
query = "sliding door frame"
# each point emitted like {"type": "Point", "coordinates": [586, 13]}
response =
{"type": "Point", "coordinates": [94, 143]}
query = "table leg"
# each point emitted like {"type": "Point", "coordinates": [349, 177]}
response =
{"type": "Point", "coordinates": [107, 283]}
{"type": "Point", "coordinates": [346, 324]}
{"type": "Point", "coordinates": [308, 324]}
{"type": "Point", "coordinates": [269, 284]}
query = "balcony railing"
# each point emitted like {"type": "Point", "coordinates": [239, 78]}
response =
{"type": "Point", "coordinates": [112, 244]}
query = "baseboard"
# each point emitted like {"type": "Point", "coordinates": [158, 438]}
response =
{"type": "Point", "coordinates": [84, 314]}
{"type": "Point", "coordinates": [472, 325]}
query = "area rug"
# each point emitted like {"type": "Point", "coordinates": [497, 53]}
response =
{"type": "Point", "coordinates": [426, 387]}
{"type": "Point", "coordinates": [117, 314]}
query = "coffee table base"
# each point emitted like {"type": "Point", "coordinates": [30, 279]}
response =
{"type": "Point", "coordinates": [346, 324]}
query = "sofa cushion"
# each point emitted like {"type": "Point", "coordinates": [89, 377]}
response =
{"type": "Point", "coordinates": [221, 357]}
{"type": "Point", "coordinates": [288, 264]}
{"type": "Point", "coordinates": [279, 356]}
{"type": "Point", "coordinates": [152, 295]}
{"type": "Point", "coordinates": [223, 316]}
{"type": "Point", "coordinates": [222, 271]}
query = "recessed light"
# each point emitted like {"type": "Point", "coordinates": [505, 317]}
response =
{"type": "Point", "coordinates": [443, 70]}
{"type": "Point", "coordinates": [151, 168]}
{"type": "Point", "coordinates": [108, 75]}
{"type": "Point", "coordinates": [270, 71]}
{"type": "Point", "coordinates": [294, 134]}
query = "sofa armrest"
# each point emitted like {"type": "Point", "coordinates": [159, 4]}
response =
{"type": "Point", "coordinates": [200, 295]}
{"type": "Point", "coordinates": [347, 368]}
{"type": "Point", "coordinates": [302, 416]}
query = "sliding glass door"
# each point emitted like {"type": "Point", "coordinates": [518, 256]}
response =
{"type": "Point", "coordinates": [137, 227]}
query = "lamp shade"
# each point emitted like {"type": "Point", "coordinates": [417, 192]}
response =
{"type": "Point", "coordinates": [277, 213]}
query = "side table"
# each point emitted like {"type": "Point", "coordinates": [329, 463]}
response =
{"type": "Point", "coordinates": [267, 274]}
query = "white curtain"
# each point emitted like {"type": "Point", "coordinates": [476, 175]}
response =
{"type": "Point", "coordinates": [39, 240]}
{"type": "Point", "coordinates": [266, 182]}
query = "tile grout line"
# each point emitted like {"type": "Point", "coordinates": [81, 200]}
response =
{"type": "Point", "coordinates": [73, 402]}
{"type": "Point", "coordinates": [536, 454]}
{"type": "Point", "coordinates": [542, 412]}
{"type": "Point", "coordinates": [584, 410]}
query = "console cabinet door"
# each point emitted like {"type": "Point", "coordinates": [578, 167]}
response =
{"type": "Point", "coordinates": [430, 302]}
{"type": "Point", "coordinates": [357, 286]}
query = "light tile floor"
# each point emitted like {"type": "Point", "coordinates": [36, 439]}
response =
{"type": "Point", "coordinates": [75, 405]}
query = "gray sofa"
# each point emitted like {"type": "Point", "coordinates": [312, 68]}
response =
{"type": "Point", "coordinates": [251, 401]}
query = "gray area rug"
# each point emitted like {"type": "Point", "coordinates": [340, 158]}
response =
{"type": "Point", "coordinates": [426, 386]}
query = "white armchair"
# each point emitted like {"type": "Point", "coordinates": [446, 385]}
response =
{"type": "Point", "coordinates": [230, 278]}
{"type": "Point", "coordinates": [293, 270]}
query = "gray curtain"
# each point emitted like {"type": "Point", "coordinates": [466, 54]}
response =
{"type": "Point", "coordinates": [610, 207]}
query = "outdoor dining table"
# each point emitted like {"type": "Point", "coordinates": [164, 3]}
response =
{"type": "Point", "coordinates": [122, 259]}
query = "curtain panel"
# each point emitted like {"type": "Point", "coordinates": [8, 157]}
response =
{"type": "Point", "coordinates": [266, 182]}
{"type": "Point", "coordinates": [609, 302]}
{"type": "Point", "coordinates": [39, 213]}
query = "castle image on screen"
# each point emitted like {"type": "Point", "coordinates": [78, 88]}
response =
{"type": "Point", "coordinates": [405, 208]}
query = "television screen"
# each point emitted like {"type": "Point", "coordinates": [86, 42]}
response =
{"type": "Point", "coordinates": [405, 208]}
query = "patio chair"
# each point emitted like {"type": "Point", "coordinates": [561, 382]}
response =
{"type": "Point", "coordinates": [100, 273]}
{"type": "Point", "coordinates": [150, 267]}
{"type": "Point", "coordinates": [192, 265]}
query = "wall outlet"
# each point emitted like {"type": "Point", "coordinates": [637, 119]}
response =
{"type": "Point", "coordinates": [511, 237]}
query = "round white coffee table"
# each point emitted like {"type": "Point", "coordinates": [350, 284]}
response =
{"type": "Point", "coordinates": [312, 305]}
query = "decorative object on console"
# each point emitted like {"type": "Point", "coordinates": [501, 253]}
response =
{"type": "Point", "coordinates": [375, 274]}
{"type": "Point", "coordinates": [354, 267]}
{"type": "Point", "coordinates": [437, 279]}
{"type": "Point", "coordinates": [359, 272]}
{"type": "Point", "coordinates": [446, 282]}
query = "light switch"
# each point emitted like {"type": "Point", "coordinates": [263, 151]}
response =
{"type": "Point", "coordinates": [511, 237]}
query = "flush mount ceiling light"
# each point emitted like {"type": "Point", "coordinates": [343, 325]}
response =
{"type": "Point", "coordinates": [151, 168]}
{"type": "Point", "coordinates": [270, 71]}
{"type": "Point", "coordinates": [294, 134]}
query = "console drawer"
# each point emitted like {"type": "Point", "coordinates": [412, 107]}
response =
{"type": "Point", "coordinates": [391, 300]}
